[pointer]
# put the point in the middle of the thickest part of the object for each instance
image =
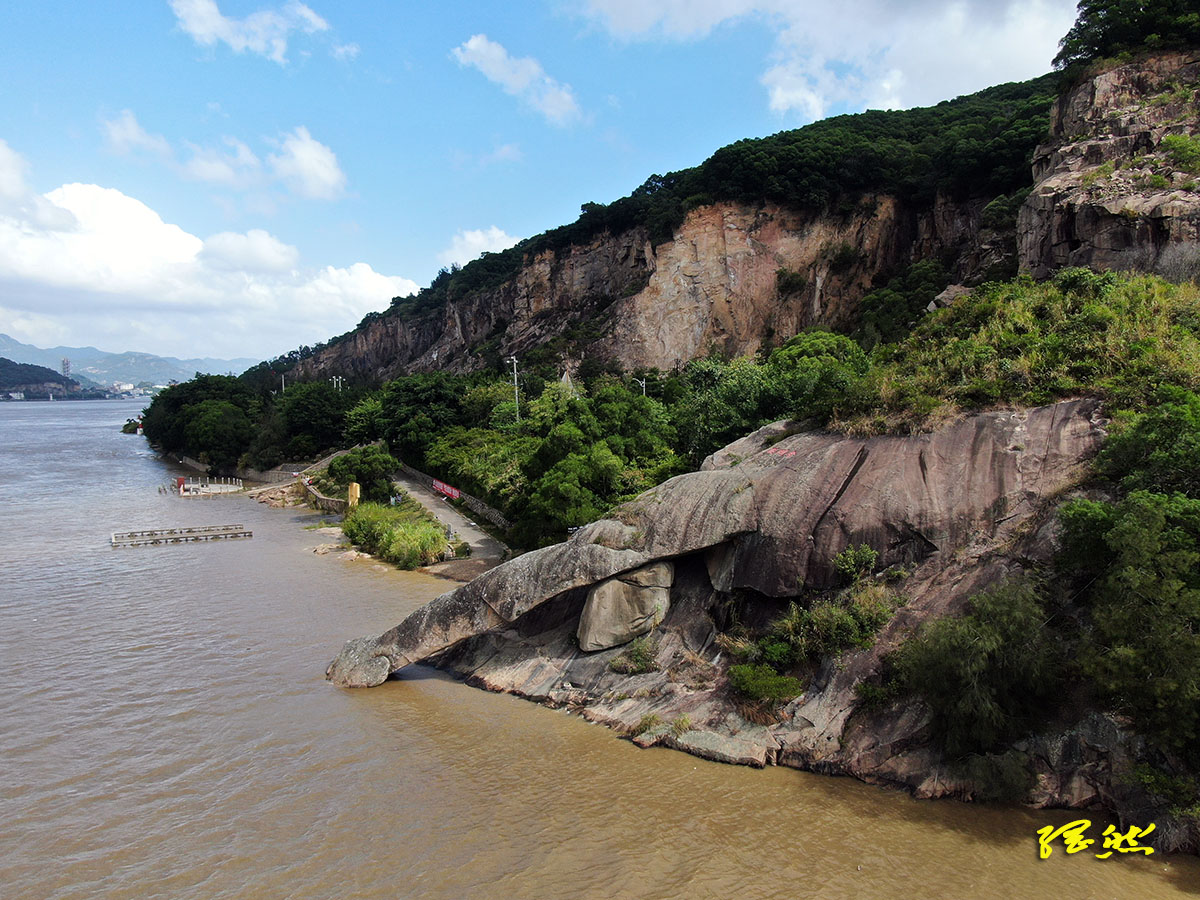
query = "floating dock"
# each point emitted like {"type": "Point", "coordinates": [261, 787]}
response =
{"type": "Point", "coordinates": [149, 537]}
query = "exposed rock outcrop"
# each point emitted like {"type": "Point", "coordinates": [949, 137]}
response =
{"type": "Point", "coordinates": [716, 285]}
{"type": "Point", "coordinates": [962, 508]}
{"type": "Point", "coordinates": [772, 518]}
{"type": "Point", "coordinates": [1107, 193]}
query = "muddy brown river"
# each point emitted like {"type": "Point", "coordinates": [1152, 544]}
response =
{"type": "Point", "coordinates": [165, 731]}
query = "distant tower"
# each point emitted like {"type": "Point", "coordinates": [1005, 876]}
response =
{"type": "Point", "coordinates": [66, 367]}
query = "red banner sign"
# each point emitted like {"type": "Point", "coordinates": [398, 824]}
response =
{"type": "Point", "coordinates": [444, 488]}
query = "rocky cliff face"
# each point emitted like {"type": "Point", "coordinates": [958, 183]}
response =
{"type": "Point", "coordinates": [1108, 192]}
{"type": "Point", "coordinates": [715, 286]}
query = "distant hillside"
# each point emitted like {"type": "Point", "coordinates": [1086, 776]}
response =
{"type": "Point", "coordinates": [103, 367]}
{"type": "Point", "coordinates": [15, 376]}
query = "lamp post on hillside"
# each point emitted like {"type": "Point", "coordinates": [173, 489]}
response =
{"type": "Point", "coordinates": [516, 396]}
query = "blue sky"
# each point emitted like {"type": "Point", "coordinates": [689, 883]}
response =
{"type": "Point", "coordinates": [238, 177]}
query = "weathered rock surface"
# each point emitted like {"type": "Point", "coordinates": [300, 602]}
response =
{"type": "Point", "coordinates": [964, 507]}
{"type": "Point", "coordinates": [1106, 194]}
{"type": "Point", "coordinates": [714, 285]}
{"type": "Point", "coordinates": [783, 512]}
{"type": "Point", "coordinates": [619, 609]}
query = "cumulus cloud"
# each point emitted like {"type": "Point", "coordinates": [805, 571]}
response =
{"type": "Point", "coordinates": [468, 244]}
{"type": "Point", "coordinates": [866, 53]}
{"type": "Point", "coordinates": [308, 166]}
{"type": "Point", "coordinates": [522, 78]}
{"type": "Point", "coordinates": [302, 163]}
{"type": "Point", "coordinates": [86, 264]}
{"type": "Point", "coordinates": [124, 134]}
{"type": "Point", "coordinates": [19, 202]}
{"type": "Point", "coordinates": [254, 251]}
{"type": "Point", "coordinates": [265, 32]}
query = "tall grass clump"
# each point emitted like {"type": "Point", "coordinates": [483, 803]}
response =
{"type": "Point", "coordinates": [1117, 336]}
{"type": "Point", "coordinates": [401, 535]}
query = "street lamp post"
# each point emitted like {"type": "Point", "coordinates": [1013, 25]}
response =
{"type": "Point", "coordinates": [516, 395]}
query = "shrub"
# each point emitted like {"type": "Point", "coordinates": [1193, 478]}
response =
{"type": "Point", "coordinates": [998, 777]}
{"type": "Point", "coordinates": [404, 535]}
{"type": "Point", "coordinates": [761, 682]}
{"type": "Point", "coordinates": [680, 725]}
{"type": "Point", "coordinates": [1183, 150]}
{"type": "Point", "coordinates": [636, 659]}
{"type": "Point", "coordinates": [648, 722]}
{"type": "Point", "coordinates": [1159, 449]}
{"type": "Point", "coordinates": [788, 282]}
{"type": "Point", "coordinates": [855, 562]}
{"type": "Point", "coordinates": [985, 675]}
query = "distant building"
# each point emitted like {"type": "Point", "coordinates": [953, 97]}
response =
{"type": "Point", "coordinates": [66, 367]}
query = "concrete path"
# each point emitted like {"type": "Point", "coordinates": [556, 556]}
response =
{"type": "Point", "coordinates": [486, 551]}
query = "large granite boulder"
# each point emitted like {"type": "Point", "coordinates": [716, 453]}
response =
{"type": "Point", "coordinates": [622, 608]}
{"type": "Point", "coordinates": [777, 511]}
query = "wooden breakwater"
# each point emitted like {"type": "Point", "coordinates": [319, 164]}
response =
{"type": "Point", "coordinates": [149, 537]}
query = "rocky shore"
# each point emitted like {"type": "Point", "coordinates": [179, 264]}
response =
{"type": "Point", "coordinates": [958, 510]}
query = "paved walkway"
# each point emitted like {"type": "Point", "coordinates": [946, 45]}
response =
{"type": "Point", "coordinates": [486, 551]}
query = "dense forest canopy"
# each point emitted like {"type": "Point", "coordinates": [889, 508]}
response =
{"type": "Point", "coordinates": [1107, 29]}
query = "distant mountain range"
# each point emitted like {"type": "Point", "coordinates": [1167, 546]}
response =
{"type": "Point", "coordinates": [91, 365]}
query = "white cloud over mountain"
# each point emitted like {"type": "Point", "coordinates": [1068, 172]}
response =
{"type": "Point", "coordinates": [865, 53]}
{"type": "Point", "coordinates": [468, 244]}
{"type": "Point", "coordinates": [523, 78]}
{"type": "Point", "coordinates": [83, 262]}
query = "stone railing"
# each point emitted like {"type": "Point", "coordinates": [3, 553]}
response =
{"type": "Point", "coordinates": [474, 504]}
{"type": "Point", "coordinates": [329, 504]}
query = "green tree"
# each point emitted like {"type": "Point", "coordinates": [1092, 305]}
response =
{"type": "Point", "coordinates": [364, 421]}
{"type": "Point", "coordinates": [1158, 449]}
{"type": "Point", "coordinates": [314, 417]}
{"type": "Point", "coordinates": [372, 467]}
{"type": "Point", "coordinates": [1106, 28]}
{"type": "Point", "coordinates": [986, 675]}
{"type": "Point", "coordinates": [218, 431]}
{"type": "Point", "coordinates": [1142, 560]}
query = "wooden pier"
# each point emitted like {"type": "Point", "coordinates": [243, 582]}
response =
{"type": "Point", "coordinates": [149, 537]}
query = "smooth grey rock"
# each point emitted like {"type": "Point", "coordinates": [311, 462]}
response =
{"type": "Point", "coordinates": [622, 608]}
{"type": "Point", "coordinates": [787, 509]}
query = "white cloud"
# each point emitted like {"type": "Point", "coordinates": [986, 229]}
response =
{"type": "Point", "coordinates": [125, 135]}
{"type": "Point", "coordinates": [254, 251]}
{"type": "Point", "coordinates": [866, 53]}
{"type": "Point", "coordinates": [103, 268]}
{"type": "Point", "coordinates": [265, 32]}
{"type": "Point", "coordinates": [235, 167]}
{"type": "Point", "coordinates": [345, 51]}
{"type": "Point", "coordinates": [308, 166]}
{"type": "Point", "coordinates": [303, 164]}
{"type": "Point", "coordinates": [19, 202]}
{"type": "Point", "coordinates": [504, 153]}
{"type": "Point", "coordinates": [470, 243]}
{"type": "Point", "coordinates": [523, 78]}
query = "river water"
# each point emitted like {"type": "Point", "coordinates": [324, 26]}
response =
{"type": "Point", "coordinates": [165, 731]}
